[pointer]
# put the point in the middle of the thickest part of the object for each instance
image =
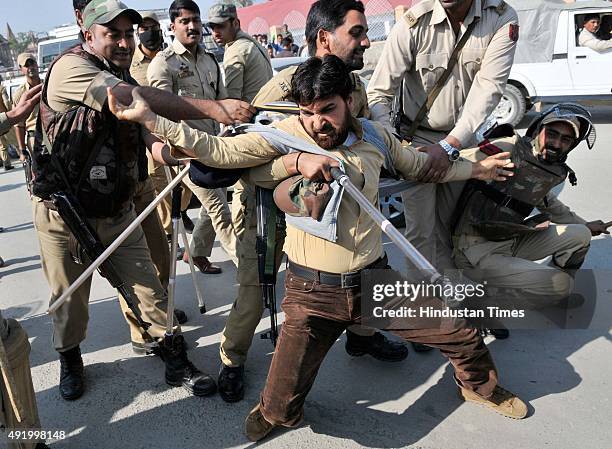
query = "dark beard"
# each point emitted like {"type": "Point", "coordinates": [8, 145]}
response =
{"type": "Point", "coordinates": [335, 137]}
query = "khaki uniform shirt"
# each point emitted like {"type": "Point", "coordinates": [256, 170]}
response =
{"type": "Point", "coordinates": [5, 103]}
{"type": "Point", "coordinates": [588, 39]}
{"type": "Point", "coordinates": [176, 70]}
{"type": "Point", "coordinates": [75, 81]}
{"type": "Point", "coordinates": [417, 52]}
{"type": "Point", "coordinates": [140, 64]}
{"type": "Point", "coordinates": [247, 67]}
{"type": "Point", "coordinates": [359, 238]}
{"type": "Point", "coordinates": [5, 106]}
{"type": "Point", "coordinates": [4, 124]}
{"type": "Point", "coordinates": [30, 122]}
{"type": "Point", "coordinates": [279, 89]}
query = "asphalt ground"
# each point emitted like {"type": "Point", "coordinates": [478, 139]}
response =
{"type": "Point", "coordinates": [356, 402]}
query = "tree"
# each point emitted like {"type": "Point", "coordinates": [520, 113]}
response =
{"type": "Point", "coordinates": [20, 43]}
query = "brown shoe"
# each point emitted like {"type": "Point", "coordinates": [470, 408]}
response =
{"type": "Point", "coordinates": [256, 426]}
{"type": "Point", "coordinates": [502, 401]}
{"type": "Point", "coordinates": [203, 264]}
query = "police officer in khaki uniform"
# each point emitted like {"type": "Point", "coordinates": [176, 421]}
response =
{"type": "Point", "coordinates": [245, 62]}
{"type": "Point", "coordinates": [75, 89]}
{"type": "Point", "coordinates": [336, 27]}
{"type": "Point", "coordinates": [414, 58]}
{"type": "Point", "coordinates": [151, 226]}
{"type": "Point", "coordinates": [25, 131]}
{"type": "Point", "coordinates": [318, 306]}
{"type": "Point", "coordinates": [187, 69]}
{"type": "Point", "coordinates": [5, 106]}
{"type": "Point", "coordinates": [494, 243]}
{"type": "Point", "coordinates": [151, 40]}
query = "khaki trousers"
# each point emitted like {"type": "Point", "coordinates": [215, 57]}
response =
{"type": "Point", "coordinates": [247, 308]}
{"type": "Point", "coordinates": [428, 210]}
{"type": "Point", "coordinates": [215, 219]}
{"type": "Point", "coordinates": [17, 349]}
{"type": "Point", "coordinates": [132, 260]}
{"type": "Point", "coordinates": [317, 314]}
{"type": "Point", "coordinates": [4, 154]}
{"type": "Point", "coordinates": [511, 264]}
{"type": "Point", "coordinates": [164, 209]}
{"type": "Point", "coordinates": [156, 242]}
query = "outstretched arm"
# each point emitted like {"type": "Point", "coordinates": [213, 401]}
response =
{"type": "Point", "coordinates": [177, 108]}
{"type": "Point", "coordinates": [22, 109]}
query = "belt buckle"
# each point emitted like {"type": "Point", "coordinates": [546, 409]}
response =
{"type": "Point", "coordinates": [344, 283]}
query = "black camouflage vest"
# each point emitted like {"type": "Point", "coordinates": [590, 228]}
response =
{"type": "Point", "coordinates": [497, 210]}
{"type": "Point", "coordinates": [88, 153]}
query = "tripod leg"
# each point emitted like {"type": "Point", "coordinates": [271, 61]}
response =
{"type": "Point", "coordinates": [196, 286]}
{"type": "Point", "coordinates": [176, 216]}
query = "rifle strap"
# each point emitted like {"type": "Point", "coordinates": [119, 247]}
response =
{"type": "Point", "coordinates": [433, 94]}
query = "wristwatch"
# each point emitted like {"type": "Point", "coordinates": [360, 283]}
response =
{"type": "Point", "coordinates": [453, 152]}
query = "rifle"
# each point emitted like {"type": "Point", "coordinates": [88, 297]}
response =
{"type": "Point", "coordinates": [89, 248]}
{"type": "Point", "coordinates": [27, 168]}
{"type": "Point", "coordinates": [268, 222]}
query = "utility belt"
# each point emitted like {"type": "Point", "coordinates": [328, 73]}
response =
{"type": "Point", "coordinates": [351, 279]}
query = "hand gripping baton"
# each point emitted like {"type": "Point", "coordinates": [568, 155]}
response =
{"type": "Point", "coordinates": [422, 264]}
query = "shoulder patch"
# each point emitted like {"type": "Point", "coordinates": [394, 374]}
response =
{"type": "Point", "coordinates": [167, 53]}
{"type": "Point", "coordinates": [410, 18]}
{"type": "Point", "coordinates": [413, 15]}
{"type": "Point", "coordinates": [488, 148]}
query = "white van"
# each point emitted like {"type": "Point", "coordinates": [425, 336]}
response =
{"type": "Point", "coordinates": [550, 66]}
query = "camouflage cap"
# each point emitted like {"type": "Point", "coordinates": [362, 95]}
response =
{"type": "Point", "coordinates": [565, 118]}
{"type": "Point", "coordinates": [221, 12]}
{"type": "Point", "coordinates": [149, 15]}
{"type": "Point", "coordinates": [301, 197]}
{"type": "Point", "coordinates": [24, 57]}
{"type": "Point", "coordinates": [102, 12]}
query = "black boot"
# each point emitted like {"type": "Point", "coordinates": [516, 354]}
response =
{"type": "Point", "coordinates": [377, 345]}
{"type": "Point", "coordinates": [72, 375]}
{"type": "Point", "coordinates": [231, 383]}
{"type": "Point", "coordinates": [187, 223]}
{"type": "Point", "coordinates": [180, 316]}
{"type": "Point", "coordinates": [180, 372]}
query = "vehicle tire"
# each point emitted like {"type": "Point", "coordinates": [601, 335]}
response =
{"type": "Point", "coordinates": [511, 107]}
{"type": "Point", "coordinates": [393, 210]}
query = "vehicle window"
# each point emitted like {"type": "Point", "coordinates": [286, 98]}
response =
{"type": "Point", "coordinates": [605, 30]}
{"type": "Point", "coordinates": [605, 27]}
{"type": "Point", "coordinates": [49, 51]}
